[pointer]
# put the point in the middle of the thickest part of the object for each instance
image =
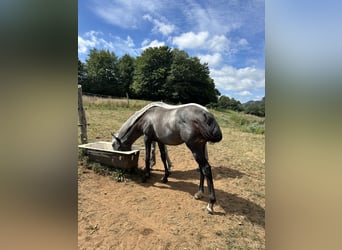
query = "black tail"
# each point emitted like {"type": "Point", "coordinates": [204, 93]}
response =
{"type": "Point", "coordinates": [209, 128]}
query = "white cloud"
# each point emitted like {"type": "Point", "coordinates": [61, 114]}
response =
{"type": "Point", "coordinates": [159, 26]}
{"type": "Point", "coordinates": [147, 44]}
{"type": "Point", "coordinates": [191, 40]}
{"type": "Point", "coordinates": [148, 17]}
{"type": "Point", "coordinates": [212, 60]}
{"type": "Point", "coordinates": [243, 79]}
{"type": "Point", "coordinates": [218, 43]}
{"type": "Point", "coordinates": [252, 61]}
{"type": "Point", "coordinates": [124, 13]}
{"type": "Point", "coordinates": [124, 46]}
{"type": "Point", "coordinates": [90, 40]}
{"type": "Point", "coordinates": [201, 40]}
{"type": "Point", "coordinates": [130, 42]}
{"type": "Point", "coordinates": [243, 42]}
{"type": "Point", "coordinates": [94, 39]}
{"type": "Point", "coordinates": [245, 93]}
{"type": "Point", "coordinates": [84, 45]}
{"type": "Point", "coordinates": [217, 17]}
{"type": "Point", "coordinates": [259, 97]}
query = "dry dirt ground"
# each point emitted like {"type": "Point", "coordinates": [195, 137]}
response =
{"type": "Point", "coordinates": [154, 215]}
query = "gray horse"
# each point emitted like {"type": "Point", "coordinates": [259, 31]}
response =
{"type": "Point", "coordinates": [165, 124]}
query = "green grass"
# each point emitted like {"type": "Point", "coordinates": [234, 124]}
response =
{"type": "Point", "coordinates": [240, 121]}
{"type": "Point", "coordinates": [237, 120]}
{"type": "Point", "coordinates": [108, 103]}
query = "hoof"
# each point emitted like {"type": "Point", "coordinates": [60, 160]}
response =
{"type": "Point", "coordinates": [145, 177]}
{"type": "Point", "coordinates": [198, 195]}
{"type": "Point", "coordinates": [210, 208]}
{"type": "Point", "coordinates": [164, 180]}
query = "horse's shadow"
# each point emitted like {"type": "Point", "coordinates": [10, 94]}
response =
{"type": "Point", "coordinates": [218, 173]}
{"type": "Point", "coordinates": [231, 203]}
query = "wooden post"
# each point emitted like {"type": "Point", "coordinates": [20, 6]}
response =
{"type": "Point", "coordinates": [127, 99]}
{"type": "Point", "coordinates": [82, 117]}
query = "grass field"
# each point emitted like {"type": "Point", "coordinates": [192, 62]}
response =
{"type": "Point", "coordinates": [238, 165]}
{"type": "Point", "coordinates": [116, 111]}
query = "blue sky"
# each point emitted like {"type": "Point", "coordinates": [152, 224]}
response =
{"type": "Point", "coordinates": [227, 34]}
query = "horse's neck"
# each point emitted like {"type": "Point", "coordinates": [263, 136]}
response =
{"type": "Point", "coordinates": [129, 136]}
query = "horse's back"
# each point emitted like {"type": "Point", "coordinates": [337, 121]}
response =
{"type": "Point", "coordinates": [174, 124]}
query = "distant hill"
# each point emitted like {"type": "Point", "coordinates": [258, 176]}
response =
{"type": "Point", "coordinates": [249, 103]}
{"type": "Point", "coordinates": [255, 107]}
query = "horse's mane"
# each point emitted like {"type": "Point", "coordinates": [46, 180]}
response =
{"type": "Point", "coordinates": [131, 120]}
{"type": "Point", "coordinates": [168, 106]}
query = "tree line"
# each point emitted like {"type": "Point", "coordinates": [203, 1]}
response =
{"type": "Point", "coordinates": [159, 73]}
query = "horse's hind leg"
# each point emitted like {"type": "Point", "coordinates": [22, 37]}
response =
{"type": "Point", "coordinates": [163, 155]}
{"type": "Point", "coordinates": [169, 163]}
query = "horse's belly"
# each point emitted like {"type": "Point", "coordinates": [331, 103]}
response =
{"type": "Point", "coordinates": [170, 139]}
{"type": "Point", "coordinates": [168, 136]}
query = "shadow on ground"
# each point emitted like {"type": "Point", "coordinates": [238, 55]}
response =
{"type": "Point", "coordinates": [231, 203]}
{"type": "Point", "coordinates": [218, 173]}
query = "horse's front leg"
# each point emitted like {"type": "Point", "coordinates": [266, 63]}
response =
{"type": "Point", "coordinates": [146, 173]}
{"type": "Point", "coordinates": [163, 155]}
{"type": "Point", "coordinates": [153, 155]}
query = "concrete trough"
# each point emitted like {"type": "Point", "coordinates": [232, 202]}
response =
{"type": "Point", "coordinates": [103, 153]}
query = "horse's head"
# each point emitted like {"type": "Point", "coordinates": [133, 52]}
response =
{"type": "Point", "coordinates": [118, 145]}
{"type": "Point", "coordinates": [116, 142]}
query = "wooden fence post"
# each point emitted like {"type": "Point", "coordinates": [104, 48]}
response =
{"type": "Point", "coordinates": [127, 99]}
{"type": "Point", "coordinates": [82, 117]}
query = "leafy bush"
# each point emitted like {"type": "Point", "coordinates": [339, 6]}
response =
{"type": "Point", "coordinates": [255, 128]}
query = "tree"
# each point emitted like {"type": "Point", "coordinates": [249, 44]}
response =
{"type": "Point", "coordinates": [223, 102]}
{"type": "Point", "coordinates": [189, 80]}
{"type": "Point", "coordinates": [230, 103]}
{"type": "Point", "coordinates": [102, 73]}
{"type": "Point", "coordinates": [255, 107]}
{"type": "Point", "coordinates": [177, 87]}
{"type": "Point", "coordinates": [82, 74]}
{"type": "Point", "coordinates": [126, 71]}
{"type": "Point", "coordinates": [151, 71]}
{"type": "Point", "coordinates": [157, 74]}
